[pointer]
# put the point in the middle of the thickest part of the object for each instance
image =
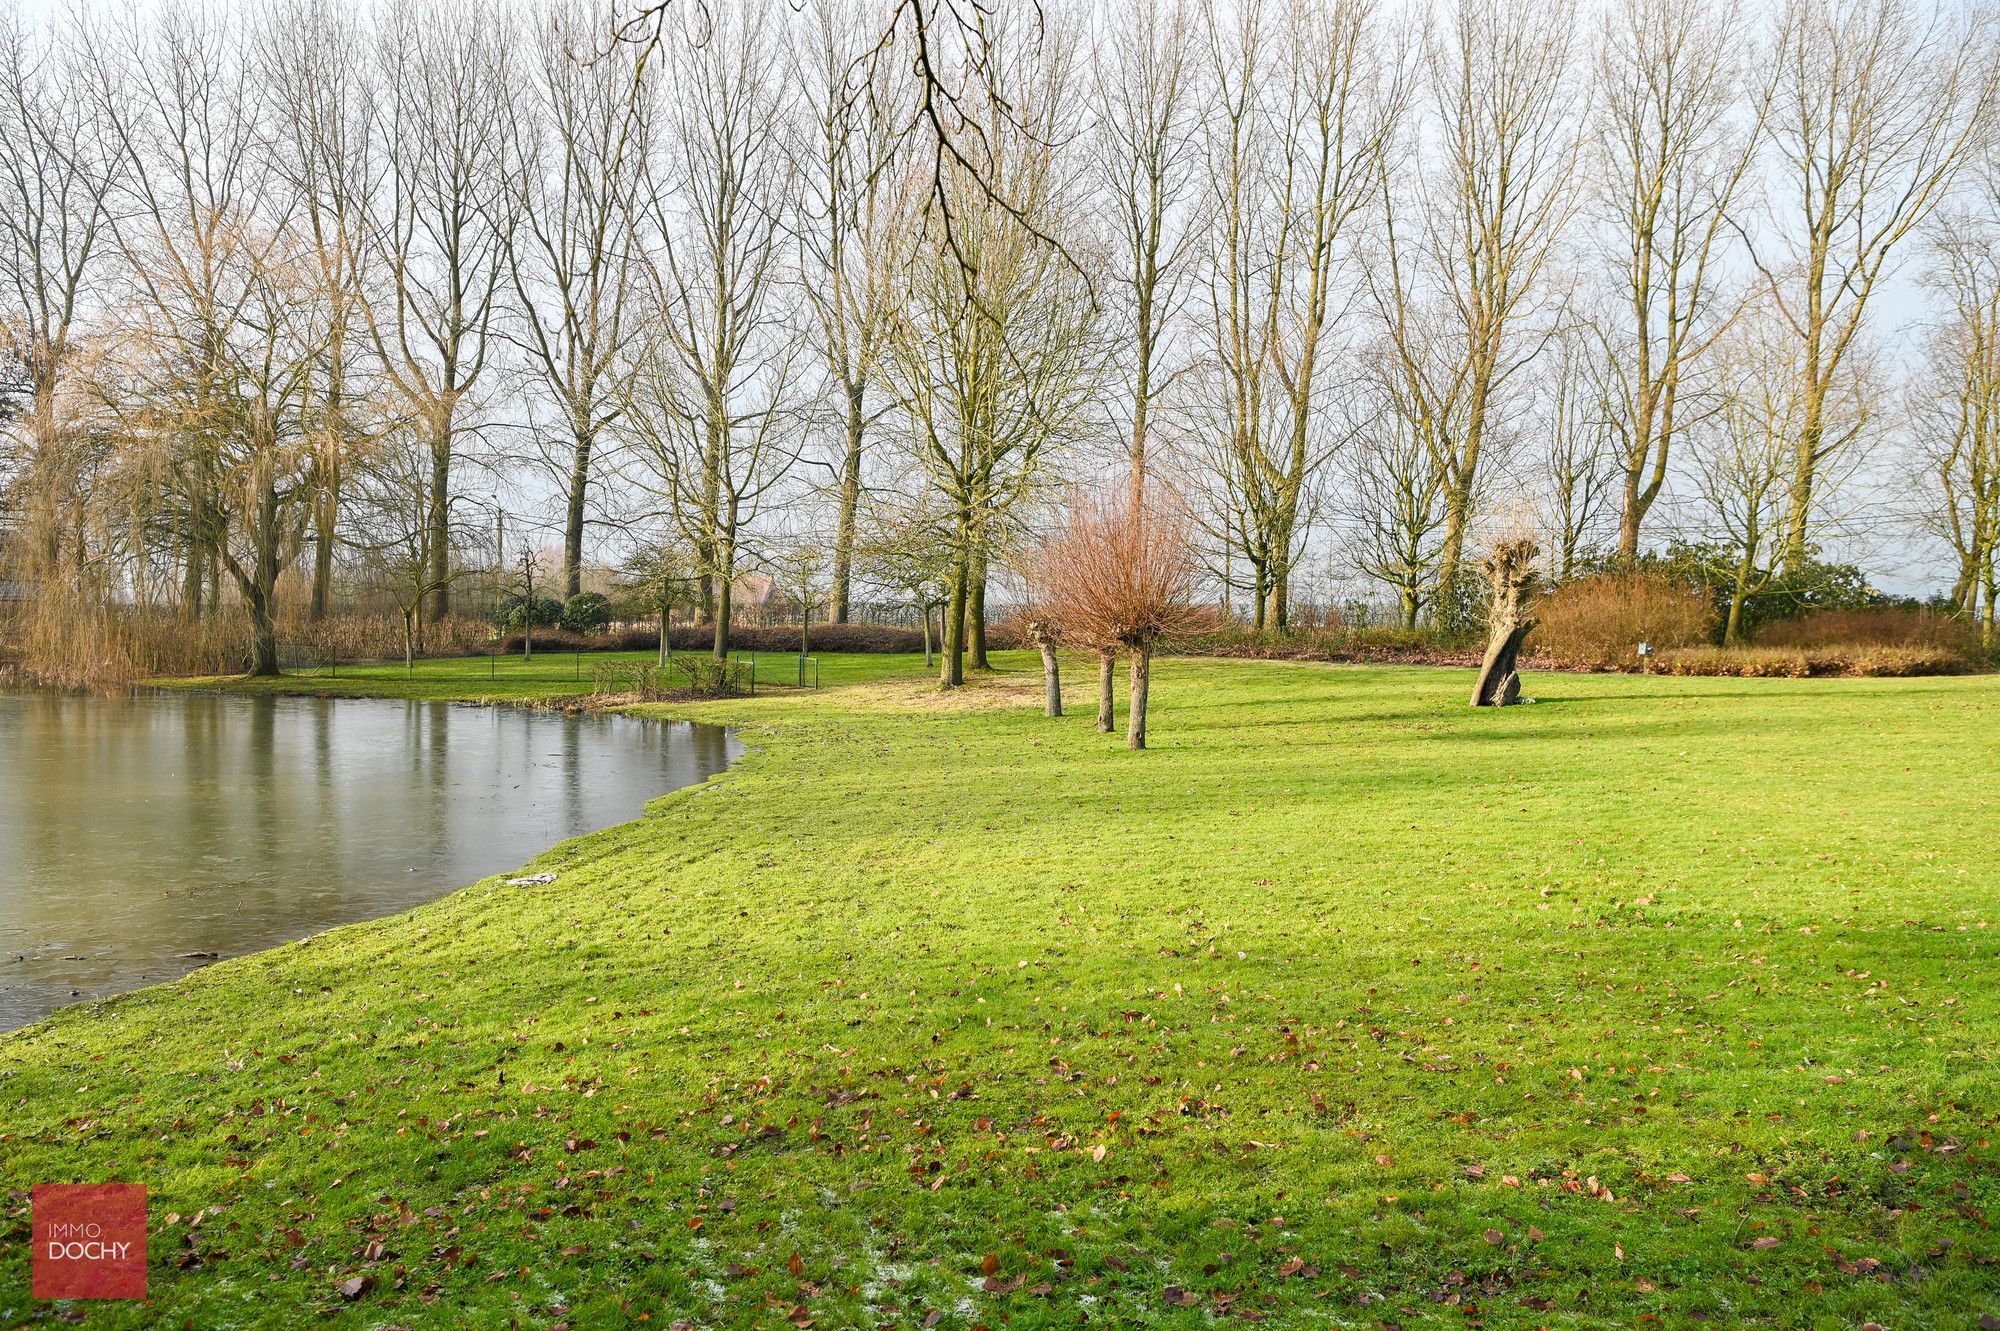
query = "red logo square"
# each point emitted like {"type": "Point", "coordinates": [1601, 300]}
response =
{"type": "Point", "coordinates": [90, 1241]}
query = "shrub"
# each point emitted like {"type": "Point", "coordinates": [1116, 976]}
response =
{"type": "Point", "coordinates": [1814, 586]}
{"type": "Point", "coordinates": [1739, 662]}
{"type": "Point", "coordinates": [1878, 626]}
{"type": "Point", "coordinates": [1601, 620]}
{"type": "Point", "coordinates": [1870, 660]}
{"type": "Point", "coordinates": [586, 613]}
{"type": "Point", "coordinates": [709, 677]}
{"type": "Point", "coordinates": [1426, 645]}
{"type": "Point", "coordinates": [1887, 661]}
{"type": "Point", "coordinates": [625, 679]}
{"type": "Point", "coordinates": [519, 612]}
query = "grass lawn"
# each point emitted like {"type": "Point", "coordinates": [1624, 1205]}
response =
{"type": "Point", "coordinates": [1662, 1003]}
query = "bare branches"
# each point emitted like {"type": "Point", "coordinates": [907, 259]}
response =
{"type": "Point", "coordinates": [1880, 105]}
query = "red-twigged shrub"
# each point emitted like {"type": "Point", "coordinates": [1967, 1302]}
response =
{"type": "Point", "coordinates": [1600, 621]}
{"type": "Point", "coordinates": [1118, 573]}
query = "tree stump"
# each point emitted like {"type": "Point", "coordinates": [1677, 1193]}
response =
{"type": "Point", "coordinates": [1511, 569]}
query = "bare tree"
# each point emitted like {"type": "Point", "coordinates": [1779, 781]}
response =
{"type": "Point", "coordinates": [1955, 406]}
{"type": "Point", "coordinates": [1880, 105]}
{"type": "Point", "coordinates": [908, 550]}
{"type": "Point", "coordinates": [1743, 465]}
{"type": "Point", "coordinates": [1306, 115]}
{"type": "Point", "coordinates": [1462, 292]}
{"type": "Point", "coordinates": [1395, 509]}
{"type": "Point", "coordinates": [1583, 452]}
{"type": "Point", "coordinates": [993, 354]}
{"type": "Point", "coordinates": [55, 179]}
{"type": "Point", "coordinates": [1675, 138]}
{"type": "Point", "coordinates": [229, 322]}
{"type": "Point", "coordinates": [311, 60]}
{"type": "Point", "coordinates": [442, 224]}
{"type": "Point", "coordinates": [579, 138]}
{"type": "Point", "coordinates": [1146, 107]}
{"type": "Point", "coordinates": [853, 169]}
{"type": "Point", "coordinates": [391, 525]}
{"type": "Point", "coordinates": [717, 422]}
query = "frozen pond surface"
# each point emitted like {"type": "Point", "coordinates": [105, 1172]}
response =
{"type": "Point", "coordinates": [136, 830]}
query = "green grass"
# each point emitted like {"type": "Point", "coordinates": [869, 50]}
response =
{"type": "Point", "coordinates": [1665, 1002]}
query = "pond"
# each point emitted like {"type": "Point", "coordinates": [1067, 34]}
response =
{"type": "Point", "coordinates": [141, 837]}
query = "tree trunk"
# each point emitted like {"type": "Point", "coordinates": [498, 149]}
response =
{"type": "Point", "coordinates": [1512, 572]}
{"type": "Point", "coordinates": [1142, 675]}
{"type": "Point", "coordinates": [579, 485]}
{"type": "Point", "coordinates": [850, 502]}
{"type": "Point", "coordinates": [1458, 509]}
{"type": "Point", "coordinates": [951, 672]}
{"type": "Point", "coordinates": [666, 636]}
{"type": "Point", "coordinates": [722, 598]}
{"type": "Point", "coordinates": [1051, 680]}
{"type": "Point", "coordinates": [439, 523]}
{"type": "Point", "coordinates": [976, 598]}
{"type": "Point", "coordinates": [1107, 719]}
{"type": "Point", "coordinates": [924, 614]}
{"type": "Point", "coordinates": [326, 513]}
{"type": "Point", "coordinates": [1629, 517]}
{"type": "Point", "coordinates": [1732, 628]}
{"type": "Point", "coordinates": [263, 640]}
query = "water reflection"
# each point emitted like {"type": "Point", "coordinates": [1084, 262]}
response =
{"type": "Point", "coordinates": [136, 830]}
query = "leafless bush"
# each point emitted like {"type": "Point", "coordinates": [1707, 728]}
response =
{"type": "Point", "coordinates": [1884, 626]}
{"type": "Point", "coordinates": [1118, 573]}
{"type": "Point", "coordinates": [1874, 661]}
{"type": "Point", "coordinates": [1601, 620]}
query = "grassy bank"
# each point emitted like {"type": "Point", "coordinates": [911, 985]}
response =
{"type": "Point", "coordinates": [1666, 1002]}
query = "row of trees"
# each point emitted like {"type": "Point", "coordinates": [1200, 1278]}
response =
{"type": "Point", "coordinates": [862, 285]}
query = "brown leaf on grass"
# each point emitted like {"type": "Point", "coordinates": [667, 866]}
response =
{"type": "Point", "coordinates": [354, 1287]}
{"type": "Point", "coordinates": [1767, 1241]}
{"type": "Point", "coordinates": [1385, 1160]}
{"type": "Point", "coordinates": [989, 1264]}
{"type": "Point", "coordinates": [796, 1264]}
{"type": "Point", "coordinates": [1494, 1237]}
{"type": "Point", "coordinates": [1179, 1297]}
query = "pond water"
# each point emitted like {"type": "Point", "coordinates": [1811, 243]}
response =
{"type": "Point", "coordinates": [136, 831]}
